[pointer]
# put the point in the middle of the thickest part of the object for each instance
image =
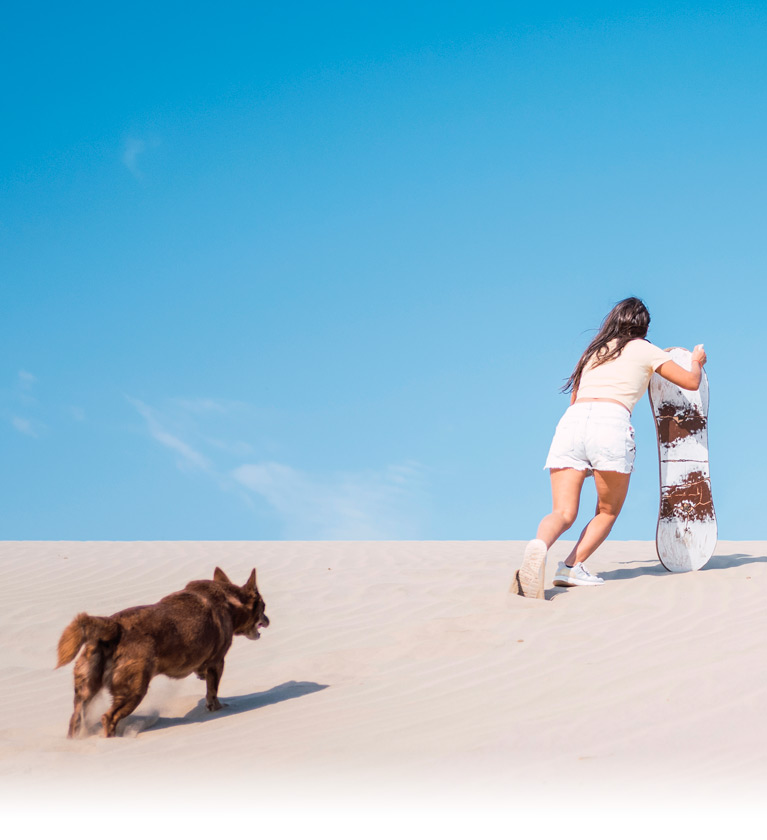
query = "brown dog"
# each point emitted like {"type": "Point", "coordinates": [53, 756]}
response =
{"type": "Point", "coordinates": [187, 631]}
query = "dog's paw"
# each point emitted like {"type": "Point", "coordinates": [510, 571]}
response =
{"type": "Point", "coordinates": [214, 705]}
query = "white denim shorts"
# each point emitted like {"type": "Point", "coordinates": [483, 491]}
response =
{"type": "Point", "coordinates": [593, 436]}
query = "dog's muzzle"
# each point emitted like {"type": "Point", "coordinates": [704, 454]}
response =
{"type": "Point", "coordinates": [254, 634]}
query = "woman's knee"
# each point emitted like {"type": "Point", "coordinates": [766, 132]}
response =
{"type": "Point", "coordinates": [609, 510]}
{"type": "Point", "coordinates": [567, 515]}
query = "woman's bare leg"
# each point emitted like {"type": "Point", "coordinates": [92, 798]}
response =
{"type": "Point", "coordinates": [566, 485]}
{"type": "Point", "coordinates": [612, 488]}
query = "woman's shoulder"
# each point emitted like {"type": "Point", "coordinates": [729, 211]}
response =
{"type": "Point", "coordinates": [642, 345]}
{"type": "Point", "coordinates": [646, 352]}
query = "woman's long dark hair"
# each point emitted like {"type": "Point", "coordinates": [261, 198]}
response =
{"type": "Point", "coordinates": [626, 321]}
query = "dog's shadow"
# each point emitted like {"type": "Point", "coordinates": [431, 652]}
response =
{"type": "Point", "coordinates": [232, 705]}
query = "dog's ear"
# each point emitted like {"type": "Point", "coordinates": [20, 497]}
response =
{"type": "Point", "coordinates": [220, 576]}
{"type": "Point", "coordinates": [251, 584]}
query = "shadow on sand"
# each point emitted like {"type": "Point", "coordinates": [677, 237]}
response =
{"type": "Point", "coordinates": [237, 705]}
{"type": "Point", "coordinates": [656, 569]}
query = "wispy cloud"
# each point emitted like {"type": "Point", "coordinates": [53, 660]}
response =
{"type": "Point", "coordinates": [27, 380]}
{"type": "Point", "coordinates": [21, 406]}
{"type": "Point", "coordinates": [369, 505]}
{"type": "Point", "coordinates": [19, 402]}
{"type": "Point", "coordinates": [374, 504]}
{"type": "Point", "coordinates": [25, 426]}
{"type": "Point", "coordinates": [24, 391]}
{"type": "Point", "coordinates": [134, 148]}
{"type": "Point", "coordinates": [188, 456]}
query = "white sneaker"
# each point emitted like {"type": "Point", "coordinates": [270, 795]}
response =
{"type": "Point", "coordinates": [528, 581]}
{"type": "Point", "coordinates": [578, 575]}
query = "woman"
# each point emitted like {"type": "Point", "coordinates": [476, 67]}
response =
{"type": "Point", "coordinates": [595, 437]}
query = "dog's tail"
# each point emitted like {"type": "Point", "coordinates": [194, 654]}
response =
{"type": "Point", "coordinates": [86, 628]}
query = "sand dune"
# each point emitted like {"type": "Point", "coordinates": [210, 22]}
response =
{"type": "Point", "coordinates": [405, 670]}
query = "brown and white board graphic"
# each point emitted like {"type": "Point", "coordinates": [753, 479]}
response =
{"type": "Point", "coordinates": [686, 534]}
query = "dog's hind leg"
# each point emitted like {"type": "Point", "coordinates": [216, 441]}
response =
{"type": "Point", "coordinates": [89, 673]}
{"type": "Point", "coordinates": [128, 689]}
{"type": "Point", "coordinates": [212, 679]}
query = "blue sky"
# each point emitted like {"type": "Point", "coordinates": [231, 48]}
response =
{"type": "Point", "coordinates": [317, 271]}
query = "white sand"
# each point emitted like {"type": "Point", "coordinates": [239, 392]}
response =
{"type": "Point", "coordinates": [405, 673]}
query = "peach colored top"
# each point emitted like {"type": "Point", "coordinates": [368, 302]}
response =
{"type": "Point", "coordinates": [626, 378]}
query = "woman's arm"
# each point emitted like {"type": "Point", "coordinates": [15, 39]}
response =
{"type": "Point", "coordinates": [687, 379]}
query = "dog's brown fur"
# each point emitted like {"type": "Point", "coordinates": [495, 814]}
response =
{"type": "Point", "coordinates": [188, 631]}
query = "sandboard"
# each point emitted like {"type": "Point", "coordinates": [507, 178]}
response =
{"type": "Point", "coordinates": [686, 533]}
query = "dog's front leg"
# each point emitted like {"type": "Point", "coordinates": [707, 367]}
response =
{"type": "Point", "coordinates": [212, 679]}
